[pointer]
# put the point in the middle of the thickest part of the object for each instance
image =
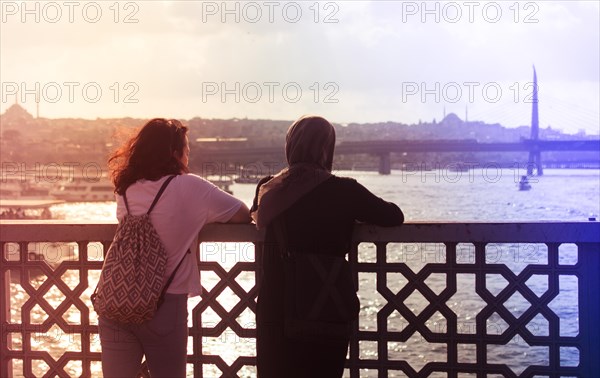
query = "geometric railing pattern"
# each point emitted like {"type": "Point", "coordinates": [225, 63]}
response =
{"type": "Point", "coordinates": [437, 300]}
{"type": "Point", "coordinates": [531, 308]}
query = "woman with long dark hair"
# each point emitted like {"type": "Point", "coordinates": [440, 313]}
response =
{"type": "Point", "coordinates": [139, 169]}
{"type": "Point", "coordinates": [306, 210]}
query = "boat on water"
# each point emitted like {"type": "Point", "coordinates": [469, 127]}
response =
{"type": "Point", "coordinates": [81, 190]}
{"type": "Point", "coordinates": [27, 208]}
{"type": "Point", "coordinates": [247, 176]}
{"type": "Point", "coordinates": [223, 182]}
{"type": "Point", "coordinates": [17, 188]}
{"type": "Point", "coordinates": [247, 180]}
{"type": "Point", "coordinates": [524, 184]}
{"type": "Point", "coordinates": [458, 168]}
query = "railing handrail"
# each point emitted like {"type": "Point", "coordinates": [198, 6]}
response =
{"type": "Point", "coordinates": [486, 232]}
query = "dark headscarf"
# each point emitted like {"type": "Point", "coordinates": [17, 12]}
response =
{"type": "Point", "coordinates": [309, 147]}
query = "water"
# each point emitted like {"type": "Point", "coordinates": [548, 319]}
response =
{"type": "Point", "coordinates": [483, 195]}
{"type": "Point", "coordinates": [489, 195]}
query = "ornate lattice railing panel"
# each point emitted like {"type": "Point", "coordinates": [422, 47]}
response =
{"type": "Point", "coordinates": [447, 309]}
{"type": "Point", "coordinates": [437, 300]}
{"type": "Point", "coordinates": [47, 275]}
{"type": "Point", "coordinates": [224, 318]}
{"type": "Point", "coordinates": [484, 300]}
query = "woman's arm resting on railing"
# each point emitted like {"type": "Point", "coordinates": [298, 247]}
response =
{"type": "Point", "coordinates": [241, 216]}
{"type": "Point", "coordinates": [374, 210]}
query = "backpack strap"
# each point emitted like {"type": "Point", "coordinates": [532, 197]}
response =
{"type": "Point", "coordinates": [126, 203]}
{"type": "Point", "coordinates": [160, 192]}
{"type": "Point", "coordinates": [164, 290]}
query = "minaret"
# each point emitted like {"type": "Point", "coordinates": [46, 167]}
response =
{"type": "Point", "coordinates": [534, 154]}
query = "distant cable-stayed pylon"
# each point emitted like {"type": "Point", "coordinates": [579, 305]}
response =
{"type": "Point", "coordinates": [534, 153]}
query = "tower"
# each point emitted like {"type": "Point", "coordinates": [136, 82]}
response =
{"type": "Point", "coordinates": [534, 152]}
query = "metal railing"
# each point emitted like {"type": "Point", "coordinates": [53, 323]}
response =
{"type": "Point", "coordinates": [437, 299]}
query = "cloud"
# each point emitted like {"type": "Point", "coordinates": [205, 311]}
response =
{"type": "Point", "coordinates": [362, 54]}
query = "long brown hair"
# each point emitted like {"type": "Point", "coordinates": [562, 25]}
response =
{"type": "Point", "coordinates": [150, 155]}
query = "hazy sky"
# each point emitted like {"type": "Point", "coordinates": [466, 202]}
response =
{"type": "Point", "coordinates": [350, 61]}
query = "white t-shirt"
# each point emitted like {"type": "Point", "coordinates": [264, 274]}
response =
{"type": "Point", "coordinates": [187, 204]}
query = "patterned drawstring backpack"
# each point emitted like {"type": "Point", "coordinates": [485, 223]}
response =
{"type": "Point", "coordinates": [131, 286]}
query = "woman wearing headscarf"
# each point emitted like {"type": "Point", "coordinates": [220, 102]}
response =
{"type": "Point", "coordinates": [317, 210]}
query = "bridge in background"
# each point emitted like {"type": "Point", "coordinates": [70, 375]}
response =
{"type": "Point", "coordinates": [384, 149]}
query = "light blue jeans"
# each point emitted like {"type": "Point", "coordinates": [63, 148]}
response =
{"type": "Point", "coordinates": [163, 340]}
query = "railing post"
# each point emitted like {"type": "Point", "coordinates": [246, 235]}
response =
{"type": "Point", "coordinates": [589, 309]}
{"type": "Point", "coordinates": [5, 365]}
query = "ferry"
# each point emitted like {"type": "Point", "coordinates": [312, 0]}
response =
{"type": "Point", "coordinates": [247, 176]}
{"type": "Point", "coordinates": [16, 188]}
{"type": "Point", "coordinates": [80, 190]}
{"type": "Point", "coordinates": [247, 180]}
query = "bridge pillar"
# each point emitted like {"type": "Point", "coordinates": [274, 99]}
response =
{"type": "Point", "coordinates": [385, 164]}
{"type": "Point", "coordinates": [535, 159]}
